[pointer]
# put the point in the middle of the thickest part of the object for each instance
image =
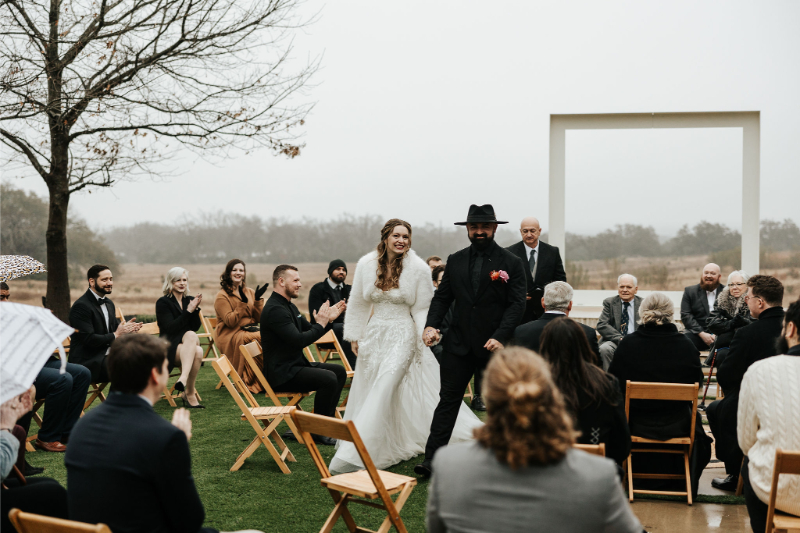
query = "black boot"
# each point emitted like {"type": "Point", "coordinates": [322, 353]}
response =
{"type": "Point", "coordinates": [477, 403]}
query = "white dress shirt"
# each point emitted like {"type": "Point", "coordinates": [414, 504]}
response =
{"type": "Point", "coordinates": [104, 309]}
{"type": "Point", "coordinates": [535, 252]}
{"type": "Point", "coordinates": [712, 297]}
{"type": "Point", "coordinates": [334, 285]}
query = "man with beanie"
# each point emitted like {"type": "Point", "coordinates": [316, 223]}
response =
{"type": "Point", "coordinates": [333, 289]}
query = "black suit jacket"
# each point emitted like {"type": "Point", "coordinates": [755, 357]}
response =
{"type": "Point", "coordinates": [321, 293]}
{"type": "Point", "coordinates": [491, 313]}
{"type": "Point", "coordinates": [528, 335]}
{"type": "Point", "coordinates": [174, 322]}
{"type": "Point", "coordinates": [129, 468]}
{"type": "Point", "coordinates": [694, 308]}
{"type": "Point", "coordinates": [284, 334]}
{"type": "Point", "coordinates": [549, 268]}
{"type": "Point", "coordinates": [89, 344]}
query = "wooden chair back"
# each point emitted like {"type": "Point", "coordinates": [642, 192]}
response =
{"type": "Point", "coordinates": [234, 383]}
{"type": "Point", "coordinates": [151, 328]}
{"type": "Point", "coordinates": [34, 523]}
{"type": "Point", "coordinates": [681, 392]}
{"type": "Point", "coordinates": [594, 449]}
{"type": "Point", "coordinates": [210, 334]}
{"type": "Point", "coordinates": [327, 345]}
{"type": "Point", "coordinates": [119, 315]}
{"type": "Point", "coordinates": [786, 462]}
{"type": "Point", "coordinates": [252, 350]}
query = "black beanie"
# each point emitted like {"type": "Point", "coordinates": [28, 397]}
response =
{"type": "Point", "coordinates": [336, 263]}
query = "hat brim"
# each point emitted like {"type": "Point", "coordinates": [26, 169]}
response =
{"type": "Point", "coordinates": [479, 222]}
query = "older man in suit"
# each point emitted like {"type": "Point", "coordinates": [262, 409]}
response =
{"type": "Point", "coordinates": [697, 303]}
{"type": "Point", "coordinates": [542, 265]}
{"type": "Point", "coordinates": [333, 289]}
{"type": "Point", "coordinates": [619, 317]}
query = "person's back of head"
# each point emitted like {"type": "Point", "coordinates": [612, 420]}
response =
{"type": "Point", "coordinates": [137, 364]}
{"type": "Point", "coordinates": [657, 309]}
{"type": "Point", "coordinates": [557, 297]}
{"type": "Point", "coordinates": [527, 422]}
{"type": "Point", "coordinates": [767, 288]}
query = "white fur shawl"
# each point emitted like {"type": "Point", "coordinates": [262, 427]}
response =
{"type": "Point", "coordinates": [415, 285]}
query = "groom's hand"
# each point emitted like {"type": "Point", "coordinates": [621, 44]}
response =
{"type": "Point", "coordinates": [493, 345]}
{"type": "Point", "coordinates": [430, 336]}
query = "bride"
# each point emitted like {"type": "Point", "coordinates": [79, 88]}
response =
{"type": "Point", "coordinates": [396, 384]}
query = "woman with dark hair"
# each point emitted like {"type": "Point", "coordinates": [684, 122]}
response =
{"type": "Point", "coordinates": [522, 473]}
{"type": "Point", "coordinates": [592, 397]}
{"type": "Point", "coordinates": [396, 384]}
{"type": "Point", "coordinates": [238, 309]}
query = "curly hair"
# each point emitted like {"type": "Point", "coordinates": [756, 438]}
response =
{"type": "Point", "coordinates": [225, 280]}
{"type": "Point", "coordinates": [527, 422]}
{"type": "Point", "coordinates": [657, 309]}
{"type": "Point", "coordinates": [384, 282]}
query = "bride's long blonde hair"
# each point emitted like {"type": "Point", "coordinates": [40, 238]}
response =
{"type": "Point", "coordinates": [384, 282]}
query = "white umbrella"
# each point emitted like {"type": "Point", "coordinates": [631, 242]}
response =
{"type": "Point", "coordinates": [16, 266]}
{"type": "Point", "coordinates": [28, 336]}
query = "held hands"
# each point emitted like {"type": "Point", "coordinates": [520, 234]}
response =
{"type": "Point", "coordinates": [13, 409]}
{"type": "Point", "coordinates": [493, 345]}
{"type": "Point", "coordinates": [181, 420]}
{"type": "Point", "coordinates": [354, 347]}
{"type": "Point", "coordinates": [131, 326]}
{"type": "Point", "coordinates": [431, 336]}
{"type": "Point", "coordinates": [195, 303]}
{"type": "Point", "coordinates": [261, 290]}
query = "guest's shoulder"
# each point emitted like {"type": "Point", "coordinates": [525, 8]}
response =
{"type": "Point", "coordinates": [774, 364]}
{"type": "Point", "coordinates": [458, 454]}
{"type": "Point", "coordinates": [222, 295]}
{"type": "Point", "coordinates": [514, 247]}
{"type": "Point", "coordinates": [548, 247]}
{"type": "Point", "coordinates": [592, 468]}
{"type": "Point", "coordinates": [612, 299]}
{"type": "Point", "coordinates": [691, 288]}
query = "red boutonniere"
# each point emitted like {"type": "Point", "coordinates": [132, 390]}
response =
{"type": "Point", "coordinates": [502, 275]}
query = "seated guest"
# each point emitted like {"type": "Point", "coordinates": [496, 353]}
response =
{"type": "Point", "coordinates": [750, 343]}
{"type": "Point", "coordinates": [557, 303]}
{"type": "Point", "coordinates": [619, 317]}
{"type": "Point", "coordinates": [178, 316]}
{"type": "Point", "coordinates": [696, 305]}
{"type": "Point", "coordinates": [285, 332]}
{"type": "Point", "coordinates": [730, 312]}
{"type": "Point", "coordinates": [238, 309]}
{"type": "Point", "coordinates": [333, 290]}
{"type": "Point", "coordinates": [94, 318]}
{"type": "Point", "coordinates": [658, 352]}
{"type": "Point", "coordinates": [129, 468]}
{"type": "Point", "coordinates": [592, 397]}
{"type": "Point", "coordinates": [42, 495]}
{"type": "Point", "coordinates": [513, 479]}
{"type": "Point", "coordinates": [770, 420]}
{"type": "Point", "coordinates": [434, 261]}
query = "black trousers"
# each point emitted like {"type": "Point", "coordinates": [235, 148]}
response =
{"type": "Point", "coordinates": [41, 496]}
{"type": "Point", "coordinates": [455, 371]}
{"type": "Point", "coordinates": [326, 378]}
{"type": "Point", "coordinates": [338, 330]}
{"type": "Point", "coordinates": [64, 396]}
{"type": "Point", "coordinates": [727, 441]}
{"type": "Point", "coordinates": [696, 340]}
{"type": "Point", "coordinates": [755, 507]}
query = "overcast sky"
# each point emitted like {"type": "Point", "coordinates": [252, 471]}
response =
{"type": "Point", "coordinates": [424, 107]}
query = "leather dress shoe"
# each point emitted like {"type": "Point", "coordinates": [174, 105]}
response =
{"type": "Point", "coordinates": [31, 470]}
{"type": "Point", "coordinates": [727, 483]}
{"type": "Point", "coordinates": [55, 447]}
{"type": "Point", "coordinates": [477, 403]}
{"type": "Point", "coordinates": [325, 441]}
{"type": "Point", "coordinates": [424, 469]}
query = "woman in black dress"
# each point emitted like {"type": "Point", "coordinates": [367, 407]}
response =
{"type": "Point", "coordinates": [178, 316]}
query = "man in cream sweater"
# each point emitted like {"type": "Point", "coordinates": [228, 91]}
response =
{"type": "Point", "coordinates": [769, 416]}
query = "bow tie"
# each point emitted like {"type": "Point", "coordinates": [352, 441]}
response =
{"type": "Point", "coordinates": [100, 301]}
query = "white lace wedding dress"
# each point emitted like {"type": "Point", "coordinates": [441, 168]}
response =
{"type": "Point", "coordinates": [396, 384]}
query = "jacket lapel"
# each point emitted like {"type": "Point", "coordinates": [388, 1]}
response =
{"type": "Point", "coordinates": [490, 262]}
{"type": "Point", "coordinates": [617, 312]}
{"type": "Point", "coordinates": [636, 301]}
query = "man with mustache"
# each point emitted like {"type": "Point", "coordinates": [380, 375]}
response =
{"type": "Point", "coordinates": [697, 303]}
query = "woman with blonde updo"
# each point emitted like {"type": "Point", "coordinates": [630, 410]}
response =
{"type": "Point", "coordinates": [522, 473]}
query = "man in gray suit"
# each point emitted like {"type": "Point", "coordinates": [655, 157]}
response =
{"type": "Point", "coordinates": [697, 303]}
{"type": "Point", "coordinates": [619, 317]}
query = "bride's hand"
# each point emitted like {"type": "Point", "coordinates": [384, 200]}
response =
{"type": "Point", "coordinates": [430, 336]}
{"type": "Point", "coordinates": [354, 347]}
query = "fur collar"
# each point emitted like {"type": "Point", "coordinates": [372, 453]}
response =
{"type": "Point", "coordinates": [729, 303]}
{"type": "Point", "coordinates": [414, 269]}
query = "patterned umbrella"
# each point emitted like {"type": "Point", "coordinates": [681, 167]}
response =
{"type": "Point", "coordinates": [16, 266]}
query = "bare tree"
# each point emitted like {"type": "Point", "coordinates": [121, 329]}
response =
{"type": "Point", "coordinates": [98, 91]}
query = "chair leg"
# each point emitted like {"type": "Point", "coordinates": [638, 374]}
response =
{"type": "Point", "coordinates": [469, 394]}
{"type": "Point", "coordinates": [219, 385]}
{"type": "Point", "coordinates": [688, 476]}
{"type": "Point", "coordinates": [398, 505]}
{"type": "Point", "coordinates": [252, 447]}
{"type": "Point", "coordinates": [341, 509]}
{"type": "Point", "coordinates": [297, 435]}
{"type": "Point", "coordinates": [168, 395]}
{"type": "Point", "coordinates": [630, 478]}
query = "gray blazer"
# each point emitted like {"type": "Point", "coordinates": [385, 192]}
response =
{"type": "Point", "coordinates": [471, 491]}
{"type": "Point", "coordinates": [611, 317]}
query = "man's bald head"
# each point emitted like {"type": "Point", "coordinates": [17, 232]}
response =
{"type": "Point", "coordinates": [709, 280]}
{"type": "Point", "coordinates": [530, 230]}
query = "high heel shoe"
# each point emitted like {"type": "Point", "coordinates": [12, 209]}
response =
{"type": "Point", "coordinates": [179, 387]}
{"type": "Point", "coordinates": [187, 405]}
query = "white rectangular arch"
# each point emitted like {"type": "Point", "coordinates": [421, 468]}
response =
{"type": "Point", "coordinates": [749, 121]}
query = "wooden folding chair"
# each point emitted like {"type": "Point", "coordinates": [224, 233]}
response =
{"type": "Point", "coordinates": [637, 390]}
{"type": "Point", "coordinates": [95, 392]}
{"type": "Point", "coordinates": [328, 344]}
{"type": "Point", "coordinates": [38, 419]}
{"type": "Point", "coordinates": [786, 462]}
{"type": "Point", "coordinates": [363, 486]}
{"type": "Point", "coordinates": [594, 449]}
{"type": "Point", "coordinates": [252, 350]}
{"type": "Point", "coordinates": [264, 420]}
{"type": "Point", "coordinates": [35, 523]}
{"type": "Point", "coordinates": [119, 314]}
{"type": "Point", "coordinates": [209, 330]}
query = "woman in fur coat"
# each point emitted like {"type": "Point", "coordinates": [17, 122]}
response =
{"type": "Point", "coordinates": [730, 310]}
{"type": "Point", "coordinates": [396, 384]}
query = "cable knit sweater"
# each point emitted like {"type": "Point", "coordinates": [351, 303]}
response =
{"type": "Point", "coordinates": [769, 418]}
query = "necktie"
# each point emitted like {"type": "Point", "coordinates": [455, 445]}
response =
{"type": "Point", "coordinates": [623, 325]}
{"type": "Point", "coordinates": [338, 293]}
{"type": "Point", "coordinates": [532, 261]}
{"type": "Point", "coordinates": [476, 272]}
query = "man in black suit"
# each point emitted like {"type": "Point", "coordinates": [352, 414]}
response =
{"type": "Point", "coordinates": [542, 265]}
{"type": "Point", "coordinates": [93, 316]}
{"type": "Point", "coordinates": [750, 344]}
{"type": "Point", "coordinates": [556, 302]}
{"type": "Point", "coordinates": [487, 284]}
{"type": "Point", "coordinates": [333, 290]}
{"type": "Point", "coordinates": [697, 303]}
{"type": "Point", "coordinates": [127, 467]}
{"type": "Point", "coordinates": [620, 316]}
{"type": "Point", "coordinates": [284, 334]}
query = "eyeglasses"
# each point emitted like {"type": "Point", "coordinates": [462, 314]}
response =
{"type": "Point", "coordinates": [747, 298]}
{"type": "Point", "coordinates": [736, 284]}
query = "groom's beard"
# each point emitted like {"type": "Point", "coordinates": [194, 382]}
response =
{"type": "Point", "coordinates": [481, 241]}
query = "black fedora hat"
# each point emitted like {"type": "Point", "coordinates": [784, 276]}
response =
{"type": "Point", "coordinates": [481, 213]}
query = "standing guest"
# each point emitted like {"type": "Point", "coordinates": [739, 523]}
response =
{"type": "Point", "coordinates": [750, 344]}
{"type": "Point", "coordinates": [5, 292]}
{"type": "Point", "coordinates": [178, 316]}
{"type": "Point", "coordinates": [542, 265]}
{"type": "Point", "coordinates": [658, 353]}
{"type": "Point", "coordinates": [436, 275]}
{"type": "Point", "coordinates": [285, 332]}
{"type": "Point", "coordinates": [592, 397]}
{"type": "Point", "coordinates": [513, 479]}
{"type": "Point", "coordinates": [619, 317]}
{"type": "Point", "coordinates": [333, 290]}
{"type": "Point", "coordinates": [769, 420]}
{"type": "Point", "coordinates": [730, 312]}
{"type": "Point", "coordinates": [434, 261]}
{"type": "Point", "coordinates": [557, 303]}
{"type": "Point", "coordinates": [94, 318]}
{"type": "Point", "coordinates": [238, 309]}
{"type": "Point", "coordinates": [697, 304]}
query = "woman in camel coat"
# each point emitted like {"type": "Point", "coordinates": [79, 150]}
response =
{"type": "Point", "coordinates": [238, 306]}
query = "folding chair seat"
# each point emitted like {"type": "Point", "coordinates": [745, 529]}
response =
{"type": "Point", "coordinates": [263, 420]}
{"type": "Point", "coordinates": [35, 523]}
{"type": "Point", "coordinates": [327, 345]}
{"type": "Point", "coordinates": [594, 449]}
{"type": "Point", "coordinates": [636, 390]}
{"type": "Point", "coordinates": [786, 462]}
{"type": "Point", "coordinates": [362, 487]}
{"type": "Point", "coordinates": [252, 350]}
{"type": "Point", "coordinates": [209, 331]}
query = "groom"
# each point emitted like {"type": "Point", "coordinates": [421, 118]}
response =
{"type": "Point", "coordinates": [487, 284]}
